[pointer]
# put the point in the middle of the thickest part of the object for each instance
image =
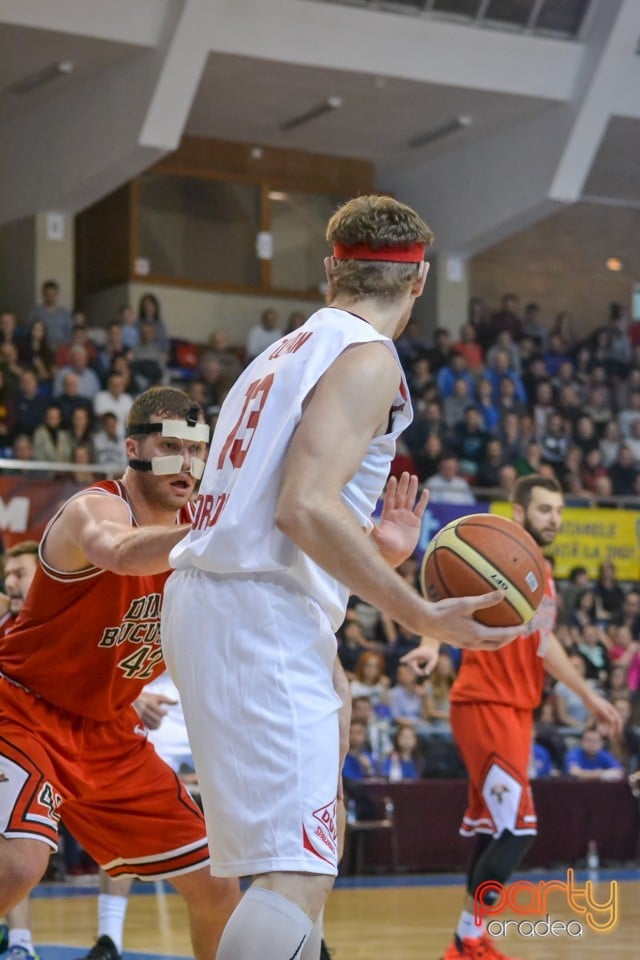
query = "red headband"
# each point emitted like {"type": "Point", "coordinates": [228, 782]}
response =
{"type": "Point", "coordinates": [409, 253]}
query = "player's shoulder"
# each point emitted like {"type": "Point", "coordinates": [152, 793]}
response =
{"type": "Point", "coordinates": [102, 497]}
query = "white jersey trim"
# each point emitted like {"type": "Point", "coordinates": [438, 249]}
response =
{"type": "Point", "coordinates": [86, 573]}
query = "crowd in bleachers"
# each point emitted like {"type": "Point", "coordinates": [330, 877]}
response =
{"type": "Point", "coordinates": [66, 386]}
{"type": "Point", "coordinates": [511, 396]}
{"type": "Point", "coordinates": [514, 396]}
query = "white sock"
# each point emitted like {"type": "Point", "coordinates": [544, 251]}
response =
{"type": "Point", "coordinates": [21, 938]}
{"type": "Point", "coordinates": [467, 927]}
{"type": "Point", "coordinates": [264, 926]}
{"type": "Point", "coordinates": [311, 949]}
{"type": "Point", "coordinates": [111, 914]}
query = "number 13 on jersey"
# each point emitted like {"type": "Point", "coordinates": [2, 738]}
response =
{"type": "Point", "coordinates": [237, 444]}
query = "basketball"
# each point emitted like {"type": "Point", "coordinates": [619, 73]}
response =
{"type": "Point", "coordinates": [482, 552]}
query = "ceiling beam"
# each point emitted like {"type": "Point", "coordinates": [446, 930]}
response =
{"type": "Point", "coordinates": [387, 44]}
{"type": "Point", "coordinates": [184, 62]}
{"type": "Point", "coordinates": [482, 191]}
{"type": "Point", "coordinates": [612, 87]}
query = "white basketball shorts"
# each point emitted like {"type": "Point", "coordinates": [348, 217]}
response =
{"type": "Point", "coordinates": [253, 660]}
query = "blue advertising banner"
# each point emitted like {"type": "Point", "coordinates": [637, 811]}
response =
{"type": "Point", "coordinates": [438, 515]}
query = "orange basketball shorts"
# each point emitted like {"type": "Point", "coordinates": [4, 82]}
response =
{"type": "Point", "coordinates": [494, 741]}
{"type": "Point", "coordinates": [122, 803]}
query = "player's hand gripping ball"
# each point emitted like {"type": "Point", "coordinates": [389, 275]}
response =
{"type": "Point", "coordinates": [480, 553]}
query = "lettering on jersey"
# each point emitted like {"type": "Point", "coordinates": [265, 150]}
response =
{"type": "Point", "coordinates": [327, 831]}
{"type": "Point", "coordinates": [141, 664]}
{"type": "Point", "coordinates": [139, 626]}
{"type": "Point", "coordinates": [50, 800]}
{"type": "Point", "coordinates": [237, 444]}
{"type": "Point", "coordinates": [291, 344]}
{"type": "Point", "coordinates": [209, 506]}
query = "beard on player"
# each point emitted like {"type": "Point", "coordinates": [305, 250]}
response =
{"type": "Point", "coordinates": [542, 536]}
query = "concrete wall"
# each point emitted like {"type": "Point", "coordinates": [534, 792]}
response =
{"type": "Point", "coordinates": [31, 254]}
{"type": "Point", "coordinates": [194, 314]}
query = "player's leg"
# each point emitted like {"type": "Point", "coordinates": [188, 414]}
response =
{"type": "Point", "coordinates": [20, 939]}
{"type": "Point", "coordinates": [499, 860]}
{"type": "Point", "coordinates": [112, 909]}
{"type": "Point", "coordinates": [290, 906]}
{"type": "Point", "coordinates": [500, 811]}
{"type": "Point", "coordinates": [29, 800]}
{"type": "Point", "coordinates": [22, 866]}
{"type": "Point", "coordinates": [210, 902]}
{"type": "Point", "coordinates": [145, 824]}
{"type": "Point", "coordinates": [31, 797]}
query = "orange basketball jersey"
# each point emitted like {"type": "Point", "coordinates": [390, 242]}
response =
{"type": "Point", "coordinates": [514, 674]}
{"type": "Point", "coordinates": [87, 642]}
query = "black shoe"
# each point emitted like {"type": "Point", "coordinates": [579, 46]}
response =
{"type": "Point", "coordinates": [324, 952]}
{"type": "Point", "coordinates": [103, 949]}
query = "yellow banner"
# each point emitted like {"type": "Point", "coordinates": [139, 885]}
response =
{"type": "Point", "coordinates": [591, 536]}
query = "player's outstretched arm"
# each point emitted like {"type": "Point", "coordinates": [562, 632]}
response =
{"type": "Point", "coordinates": [423, 659]}
{"type": "Point", "coordinates": [152, 708]}
{"type": "Point", "coordinates": [349, 406]}
{"type": "Point", "coordinates": [95, 530]}
{"type": "Point", "coordinates": [557, 663]}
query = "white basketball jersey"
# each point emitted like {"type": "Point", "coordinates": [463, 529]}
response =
{"type": "Point", "coordinates": [234, 530]}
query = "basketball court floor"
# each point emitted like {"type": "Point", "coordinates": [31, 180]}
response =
{"type": "Point", "coordinates": [392, 918]}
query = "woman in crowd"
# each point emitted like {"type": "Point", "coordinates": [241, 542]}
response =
{"type": "Point", "coordinates": [371, 680]}
{"type": "Point", "coordinates": [50, 440]}
{"type": "Point", "coordinates": [36, 353]}
{"type": "Point", "coordinates": [404, 762]}
{"type": "Point", "coordinates": [437, 692]}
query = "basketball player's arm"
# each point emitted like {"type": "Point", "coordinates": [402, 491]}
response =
{"type": "Point", "coordinates": [348, 407]}
{"type": "Point", "coordinates": [422, 659]}
{"type": "Point", "coordinates": [398, 532]}
{"type": "Point", "coordinates": [557, 663]}
{"type": "Point", "coordinates": [152, 708]}
{"type": "Point", "coordinates": [96, 530]}
{"type": "Point", "coordinates": [563, 716]}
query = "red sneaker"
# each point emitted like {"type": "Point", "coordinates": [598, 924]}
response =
{"type": "Point", "coordinates": [474, 948]}
{"type": "Point", "coordinates": [491, 952]}
{"type": "Point", "coordinates": [453, 952]}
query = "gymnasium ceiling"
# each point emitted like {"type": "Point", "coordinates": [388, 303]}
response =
{"type": "Point", "coordinates": [546, 118]}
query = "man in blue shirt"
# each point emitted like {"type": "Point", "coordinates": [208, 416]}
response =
{"type": "Point", "coordinates": [359, 763]}
{"type": "Point", "coordinates": [590, 761]}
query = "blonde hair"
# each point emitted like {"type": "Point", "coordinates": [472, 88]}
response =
{"type": "Point", "coordinates": [376, 221]}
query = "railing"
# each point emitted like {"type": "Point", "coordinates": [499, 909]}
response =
{"type": "Point", "coordinates": [45, 466]}
{"type": "Point", "coordinates": [484, 494]}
